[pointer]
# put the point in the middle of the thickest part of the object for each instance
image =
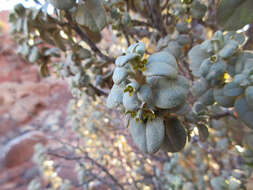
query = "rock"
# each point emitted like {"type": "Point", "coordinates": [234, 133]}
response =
{"type": "Point", "coordinates": [28, 88]}
{"type": "Point", "coordinates": [30, 74]}
{"type": "Point", "coordinates": [26, 108]}
{"type": "Point", "coordinates": [20, 149]}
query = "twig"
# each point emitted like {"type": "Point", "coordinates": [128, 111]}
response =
{"type": "Point", "coordinates": [126, 36]}
{"type": "Point", "coordinates": [78, 158]}
{"type": "Point", "coordinates": [139, 32]}
{"type": "Point", "coordinates": [186, 65]}
{"type": "Point", "coordinates": [104, 170]}
{"type": "Point", "coordinates": [165, 4]}
{"type": "Point", "coordinates": [156, 15]}
{"type": "Point", "coordinates": [140, 23]}
{"type": "Point", "coordinates": [85, 38]}
{"type": "Point", "coordinates": [98, 91]}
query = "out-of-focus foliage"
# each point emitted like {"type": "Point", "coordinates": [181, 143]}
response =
{"type": "Point", "coordinates": [183, 83]}
{"type": "Point", "coordinates": [47, 170]}
{"type": "Point", "coordinates": [234, 14]}
{"type": "Point", "coordinates": [217, 163]}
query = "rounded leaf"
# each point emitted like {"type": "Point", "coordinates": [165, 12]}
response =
{"type": "Point", "coordinates": [138, 132]}
{"type": "Point", "coordinates": [239, 37]}
{"type": "Point", "coordinates": [63, 4]}
{"type": "Point", "coordinates": [160, 69]}
{"type": "Point", "coordinates": [205, 67]}
{"type": "Point", "coordinates": [248, 64]}
{"type": "Point", "coordinates": [132, 48]}
{"type": "Point", "coordinates": [244, 112]}
{"type": "Point", "coordinates": [115, 97]}
{"type": "Point", "coordinates": [175, 136]}
{"type": "Point", "coordinates": [234, 14]}
{"type": "Point", "coordinates": [199, 87]}
{"type": "Point", "coordinates": [164, 57]}
{"type": "Point", "coordinates": [196, 56]}
{"type": "Point", "coordinates": [163, 42]}
{"type": "Point", "coordinates": [220, 98]}
{"type": "Point", "coordinates": [182, 110]}
{"type": "Point", "coordinates": [198, 10]}
{"type": "Point", "coordinates": [145, 94]}
{"type": "Point", "coordinates": [229, 49]}
{"type": "Point", "coordinates": [19, 9]}
{"type": "Point", "coordinates": [130, 101]}
{"type": "Point", "coordinates": [140, 48]}
{"type": "Point", "coordinates": [183, 39]}
{"type": "Point", "coordinates": [169, 94]}
{"type": "Point", "coordinates": [155, 134]}
{"type": "Point", "coordinates": [249, 95]}
{"type": "Point", "coordinates": [242, 58]}
{"type": "Point", "coordinates": [174, 48]}
{"type": "Point", "coordinates": [218, 183]}
{"type": "Point", "coordinates": [149, 136]}
{"type": "Point", "coordinates": [134, 84]}
{"type": "Point", "coordinates": [122, 60]}
{"type": "Point", "coordinates": [153, 80]}
{"type": "Point", "coordinates": [207, 98]}
{"type": "Point", "coordinates": [208, 47]}
{"type": "Point", "coordinates": [34, 54]}
{"type": "Point", "coordinates": [248, 140]}
{"type": "Point", "coordinates": [92, 15]}
{"type": "Point", "coordinates": [119, 75]}
{"type": "Point", "coordinates": [183, 82]}
{"type": "Point", "coordinates": [232, 89]}
{"type": "Point", "coordinates": [218, 36]}
{"type": "Point", "coordinates": [238, 79]}
{"type": "Point", "coordinates": [216, 71]}
{"type": "Point", "coordinates": [182, 27]}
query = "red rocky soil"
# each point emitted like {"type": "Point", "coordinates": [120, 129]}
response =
{"type": "Point", "coordinates": [30, 107]}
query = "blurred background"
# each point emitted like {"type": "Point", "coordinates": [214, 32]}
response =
{"type": "Point", "coordinates": [48, 140]}
{"type": "Point", "coordinates": [27, 103]}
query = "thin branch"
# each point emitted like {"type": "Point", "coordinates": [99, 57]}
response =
{"type": "Point", "coordinates": [154, 11]}
{"type": "Point", "coordinates": [126, 37]}
{"type": "Point", "coordinates": [104, 170]}
{"type": "Point", "coordinates": [85, 38]}
{"type": "Point", "coordinates": [139, 32]}
{"type": "Point", "coordinates": [87, 157]}
{"type": "Point", "coordinates": [165, 4]}
{"type": "Point", "coordinates": [98, 91]}
{"type": "Point", "coordinates": [93, 46]}
{"type": "Point", "coordinates": [102, 180]}
{"type": "Point", "coordinates": [77, 159]}
{"type": "Point", "coordinates": [140, 23]}
{"type": "Point", "coordinates": [186, 65]}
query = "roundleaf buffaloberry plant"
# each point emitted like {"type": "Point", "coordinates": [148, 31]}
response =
{"type": "Point", "coordinates": [179, 72]}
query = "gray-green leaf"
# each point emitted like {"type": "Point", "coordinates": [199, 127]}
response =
{"type": "Point", "coordinates": [92, 15]}
{"type": "Point", "coordinates": [234, 14]}
{"type": "Point", "coordinates": [244, 112]}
